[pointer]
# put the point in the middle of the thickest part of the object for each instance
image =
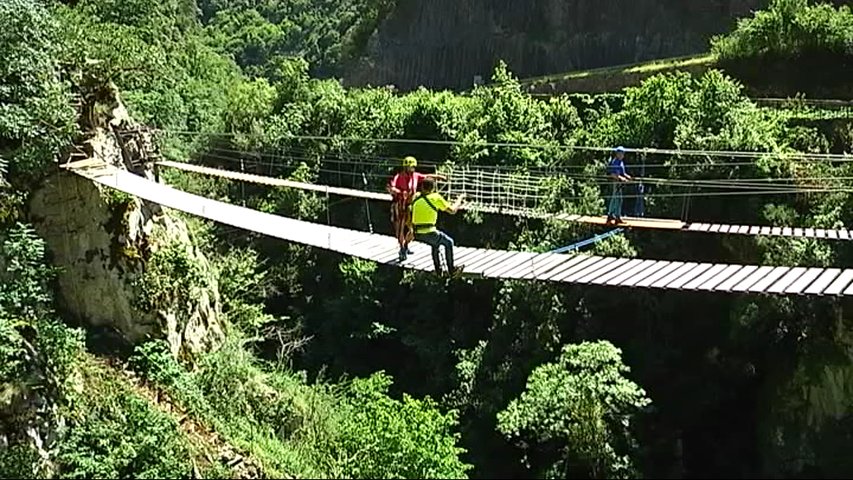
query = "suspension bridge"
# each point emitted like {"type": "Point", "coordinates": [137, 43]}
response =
{"type": "Point", "coordinates": [577, 269]}
{"type": "Point", "coordinates": [492, 192]}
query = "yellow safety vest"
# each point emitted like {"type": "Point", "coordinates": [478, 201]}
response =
{"type": "Point", "coordinates": [425, 210]}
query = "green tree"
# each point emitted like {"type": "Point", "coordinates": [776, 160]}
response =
{"type": "Point", "coordinates": [36, 118]}
{"type": "Point", "coordinates": [386, 438]}
{"type": "Point", "coordinates": [582, 406]}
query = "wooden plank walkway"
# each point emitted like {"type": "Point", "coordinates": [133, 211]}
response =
{"type": "Point", "coordinates": [629, 222]}
{"type": "Point", "coordinates": [577, 269]}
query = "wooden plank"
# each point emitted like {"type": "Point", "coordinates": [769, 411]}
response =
{"type": "Point", "coordinates": [832, 234]}
{"type": "Point", "coordinates": [809, 232]}
{"type": "Point", "coordinates": [849, 290]}
{"type": "Point", "coordinates": [602, 272]}
{"type": "Point", "coordinates": [498, 270]}
{"type": "Point", "coordinates": [787, 231]}
{"type": "Point", "coordinates": [625, 272]}
{"type": "Point", "coordinates": [500, 259]}
{"type": "Point", "coordinates": [718, 279]}
{"type": "Point", "coordinates": [804, 281]}
{"type": "Point", "coordinates": [840, 282]}
{"type": "Point", "coordinates": [715, 228]}
{"type": "Point", "coordinates": [776, 231]}
{"type": "Point", "coordinates": [463, 254]}
{"type": "Point", "coordinates": [766, 230]}
{"type": "Point", "coordinates": [357, 244]}
{"type": "Point", "coordinates": [390, 255]}
{"type": "Point", "coordinates": [559, 274]}
{"type": "Point", "coordinates": [641, 275]}
{"type": "Point", "coordinates": [843, 234]}
{"type": "Point", "coordinates": [663, 272]}
{"type": "Point", "coordinates": [820, 233]}
{"type": "Point", "coordinates": [757, 274]}
{"type": "Point", "coordinates": [798, 232]}
{"type": "Point", "coordinates": [480, 256]}
{"type": "Point", "coordinates": [688, 276]}
{"type": "Point", "coordinates": [375, 249]}
{"type": "Point", "coordinates": [421, 261]}
{"type": "Point", "coordinates": [744, 229]}
{"type": "Point", "coordinates": [786, 280]}
{"type": "Point", "coordinates": [673, 275]}
{"type": "Point", "coordinates": [708, 274]}
{"type": "Point", "coordinates": [753, 230]}
{"type": "Point", "coordinates": [762, 284]}
{"type": "Point", "coordinates": [816, 288]}
{"type": "Point", "coordinates": [618, 272]}
{"type": "Point", "coordinates": [371, 247]}
{"type": "Point", "coordinates": [600, 266]}
{"type": "Point", "coordinates": [541, 266]}
{"type": "Point", "coordinates": [487, 257]}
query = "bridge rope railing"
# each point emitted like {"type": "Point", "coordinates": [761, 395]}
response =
{"type": "Point", "coordinates": [536, 190]}
{"type": "Point", "coordinates": [377, 169]}
{"type": "Point", "coordinates": [480, 202]}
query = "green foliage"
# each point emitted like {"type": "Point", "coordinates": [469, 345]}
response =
{"type": "Point", "coordinates": [327, 33]}
{"type": "Point", "coordinates": [23, 276]}
{"type": "Point", "coordinates": [17, 461]}
{"type": "Point", "coordinates": [243, 285]}
{"type": "Point", "coordinates": [36, 118]}
{"type": "Point", "coordinates": [170, 278]}
{"type": "Point", "coordinates": [387, 438]}
{"type": "Point", "coordinates": [584, 406]}
{"type": "Point", "coordinates": [116, 433]}
{"type": "Point", "coordinates": [359, 432]}
{"type": "Point", "coordinates": [789, 29]}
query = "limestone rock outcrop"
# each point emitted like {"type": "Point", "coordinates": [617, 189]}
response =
{"type": "Point", "coordinates": [126, 264]}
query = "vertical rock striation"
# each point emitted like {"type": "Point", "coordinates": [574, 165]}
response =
{"type": "Point", "coordinates": [446, 43]}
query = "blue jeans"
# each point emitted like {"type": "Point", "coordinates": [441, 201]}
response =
{"type": "Point", "coordinates": [435, 239]}
{"type": "Point", "coordinates": [614, 208]}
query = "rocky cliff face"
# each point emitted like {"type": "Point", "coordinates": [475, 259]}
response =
{"type": "Point", "coordinates": [446, 43]}
{"type": "Point", "coordinates": [126, 264]}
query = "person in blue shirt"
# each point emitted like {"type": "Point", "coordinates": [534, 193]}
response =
{"type": "Point", "coordinates": [618, 177]}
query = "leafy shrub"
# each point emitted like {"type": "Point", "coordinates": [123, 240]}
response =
{"type": "Point", "coordinates": [789, 28]}
{"type": "Point", "coordinates": [170, 278]}
{"type": "Point", "coordinates": [386, 438]}
{"type": "Point", "coordinates": [115, 433]}
{"type": "Point", "coordinates": [36, 118]}
{"type": "Point", "coordinates": [582, 405]}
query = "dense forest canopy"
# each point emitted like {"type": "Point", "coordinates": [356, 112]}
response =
{"type": "Point", "coordinates": [333, 366]}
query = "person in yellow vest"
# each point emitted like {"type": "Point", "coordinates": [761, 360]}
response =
{"type": "Point", "coordinates": [425, 207]}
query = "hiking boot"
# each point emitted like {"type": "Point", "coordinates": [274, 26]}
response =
{"type": "Point", "coordinates": [457, 271]}
{"type": "Point", "coordinates": [402, 257]}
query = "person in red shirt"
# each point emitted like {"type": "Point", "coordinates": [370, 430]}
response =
{"type": "Point", "coordinates": [402, 188]}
